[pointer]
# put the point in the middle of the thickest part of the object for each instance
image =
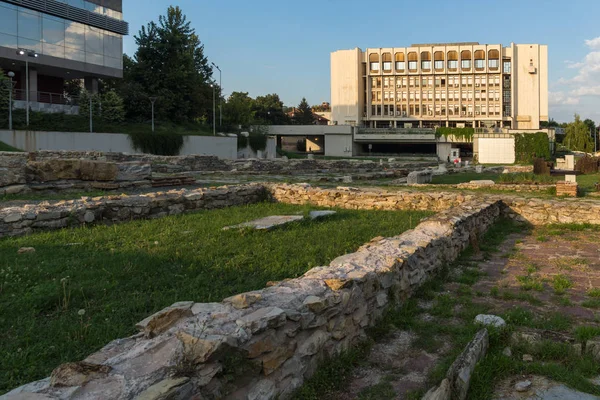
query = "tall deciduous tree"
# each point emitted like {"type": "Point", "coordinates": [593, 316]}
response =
{"type": "Point", "coordinates": [238, 109]}
{"type": "Point", "coordinates": [578, 136]}
{"type": "Point", "coordinates": [590, 124]}
{"type": "Point", "coordinates": [170, 64]}
{"type": "Point", "coordinates": [304, 115]}
{"type": "Point", "coordinates": [269, 109]}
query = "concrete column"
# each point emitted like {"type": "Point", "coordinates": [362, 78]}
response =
{"type": "Point", "coordinates": [91, 84]}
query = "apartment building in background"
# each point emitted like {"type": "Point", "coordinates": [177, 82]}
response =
{"type": "Point", "coordinates": [441, 84]}
{"type": "Point", "coordinates": [60, 40]}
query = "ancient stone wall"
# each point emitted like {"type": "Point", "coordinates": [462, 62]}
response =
{"type": "Point", "coordinates": [16, 221]}
{"type": "Point", "coordinates": [531, 210]}
{"type": "Point", "coordinates": [264, 344]}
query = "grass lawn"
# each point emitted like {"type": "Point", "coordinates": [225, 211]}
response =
{"type": "Point", "coordinates": [454, 179]}
{"type": "Point", "coordinates": [121, 274]}
{"type": "Point", "coordinates": [5, 147]}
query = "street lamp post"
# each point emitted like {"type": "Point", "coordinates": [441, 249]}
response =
{"type": "Point", "coordinates": [221, 95]}
{"type": "Point", "coordinates": [28, 53]}
{"type": "Point", "coordinates": [10, 85]}
{"type": "Point", "coordinates": [153, 99]}
{"type": "Point", "coordinates": [214, 111]}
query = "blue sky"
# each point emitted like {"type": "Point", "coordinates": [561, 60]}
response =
{"type": "Point", "coordinates": [283, 47]}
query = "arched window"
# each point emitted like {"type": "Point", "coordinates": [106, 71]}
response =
{"type": "Point", "coordinates": [412, 61]}
{"type": "Point", "coordinates": [452, 60]}
{"type": "Point", "coordinates": [438, 60]}
{"type": "Point", "coordinates": [425, 61]}
{"type": "Point", "coordinates": [465, 60]}
{"type": "Point", "coordinates": [479, 60]}
{"type": "Point", "coordinates": [400, 63]}
{"type": "Point", "coordinates": [374, 62]}
{"type": "Point", "coordinates": [387, 62]}
{"type": "Point", "coordinates": [493, 59]}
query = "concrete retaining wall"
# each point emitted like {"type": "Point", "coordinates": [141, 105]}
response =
{"type": "Point", "coordinates": [222, 147]}
{"type": "Point", "coordinates": [278, 335]}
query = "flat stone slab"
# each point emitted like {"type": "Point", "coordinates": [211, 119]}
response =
{"type": "Point", "coordinates": [321, 214]}
{"type": "Point", "coordinates": [483, 182]}
{"type": "Point", "coordinates": [267, 223]}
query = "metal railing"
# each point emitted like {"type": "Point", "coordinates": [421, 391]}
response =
{"type": "Point", "coordinates": [46, 97]}
{"type": "Point", "coordinates": [396, 131]}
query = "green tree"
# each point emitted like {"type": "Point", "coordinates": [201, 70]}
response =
{"type": "Point", "coordinates": [238, 109]}
{"type": "Point", "coordinates": [304, 115]}
{"type": "Point", "coordinates": [268, 109]}
{"type": "Point", "coordinates": [590, 124]}
{"type": "Point", "coordinates": [578, 136]}
{"type": "Point", "coordinates": [84, 104]}
{"type": "Point", "coordinates": [112, 107]}
{"type": "Point", "coordinates": [72, 87]}
{"type": "Point", "coordinates": [4, 92]}
{"type": "Point", "coordinates": [170, 64]}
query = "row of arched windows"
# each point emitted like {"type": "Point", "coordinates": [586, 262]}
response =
{"type": "Point", "coordinates": [468, 60]}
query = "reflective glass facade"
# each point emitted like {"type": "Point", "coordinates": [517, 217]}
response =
{"type": "Point", "coordinates": [57, 37]}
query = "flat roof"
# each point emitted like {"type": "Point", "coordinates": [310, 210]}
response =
{"type": "Point", "coordinates": [445, 44]}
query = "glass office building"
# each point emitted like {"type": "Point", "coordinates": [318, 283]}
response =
{"type": "Point", "coordinates": [72, 39]}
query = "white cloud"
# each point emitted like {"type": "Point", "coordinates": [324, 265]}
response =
{"type": "Point", "coordinates": [561, 98]}
{"type": "Point", "coordinates": [593, 43]}
{"type": "Point", "coordinates": [580, 93]}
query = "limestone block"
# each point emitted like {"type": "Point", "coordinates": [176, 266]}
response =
{"type": "Point", "coordinates": [168, 389]}
{"type": "Point", "coordinates": [164, 319]}
{"type": "Point", "coordinates": [313, 343]}
{"type": "Point", "coordinates": [98, 171]}
{"type": "Point", "coordinates": [419, 177]}
{"type": "Point", "coordinates": [258, 321]}
{"type": "Point", "coordinates": [134, 171]}
{"type": "Point", "coordinates": [461, 370]}
{"type": "Point", "coordinates": [53, 170]}
{"type": "Point", "coordinates": [77, 374]}
{"type": "Point", "coordinates": [243, 300]}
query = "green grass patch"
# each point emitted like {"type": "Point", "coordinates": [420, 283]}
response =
{"type": "Point", "coordinates": [381, 391]}
{"type": "Point", "coordinates": [512, 296]}
{"type": "Point", "coordinates": [463, 177]}
{"type": "Point", "coordinates": [333, 374]}
{"type": "Point", "coordinates": [592, 303]}
{"type": "Point", "coordinates": [561, 283]}
{"type": "Point", "coordinates": [5, 147]}
{"type": "Point", "coordinates": [120, 274]}
{"type": "Point", "coordinates": [585, 333]}
{"type": "Point", "coordinates": [595, 293]}
{"type": "Point", "coordinates": [530, 282]}
{"type": "Point", "coordinates": [522, 317]}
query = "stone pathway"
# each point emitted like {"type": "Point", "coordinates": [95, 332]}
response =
{"type": "Point", "coordinates": [399, 365]}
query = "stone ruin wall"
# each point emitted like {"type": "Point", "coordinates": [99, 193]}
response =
{"type": "Point", "coordinates": [79, 170]}
{"type": "Point", "coordinates": [278, 335]}
{"type": "Point", "coordinates": [264, 344]}
{"type": "Point", "coordinates": [22, 220]}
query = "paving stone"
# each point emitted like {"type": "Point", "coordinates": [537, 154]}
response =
{"type": "Point", "coordinates": [321, 214]}
{"type": "Point", "coordinates": [267, 223]}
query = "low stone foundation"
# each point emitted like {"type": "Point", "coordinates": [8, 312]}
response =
{"type": "Point", "coordinates": [276, 337]}
{"type": "Point", "coordinates": [16, 221]}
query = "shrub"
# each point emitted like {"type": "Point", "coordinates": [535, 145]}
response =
{"type": "Point", "coordinates": [112, 107]}
{"type": "Point", "coordinates": [541, 167]}
{"type": "Point", "coordinates": [242, 141]}
{"type": "Point", "coordinates": [588, 165]}
{"type": "Point", "coordinates": [529, 146]}
{"type": "Point", "coordinates": [458, 133]}
{"type": "Point", "coordinates": [164, 144]}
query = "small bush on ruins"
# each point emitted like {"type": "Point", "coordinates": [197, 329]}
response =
{"type": "Point", "coordinates": [164, 144]}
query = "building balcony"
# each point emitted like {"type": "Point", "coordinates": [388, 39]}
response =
{"type": "Point", "coordinates": [46, 102]}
